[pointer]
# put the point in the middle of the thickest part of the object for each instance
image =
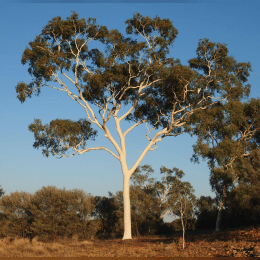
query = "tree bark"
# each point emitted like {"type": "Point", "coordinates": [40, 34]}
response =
{"type": "Point", "coordinates": [220, 209]}
{"type": "Point", "coordinates": [183, 231]}
{"type": "Point", "coordinates": [127, 208]}
{"type": "Point", "coordinates": [183, 239]}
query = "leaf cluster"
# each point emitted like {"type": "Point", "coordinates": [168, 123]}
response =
{"type": "Point", "coordinates": [60, 132]}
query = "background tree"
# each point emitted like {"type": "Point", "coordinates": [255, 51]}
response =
{"type": "Point", "coordinates": [16, 217]}
{"type": "Point", "coordinates": [49, 213]}
{"type": "Point", "coordinates": [206, 212]}
{"type": "Point", "coordinates": [182, 199]}
{"type": "Point", "coordinates": [243, 202]}
{"type": "Point", "coordinates": [108, 212]}
{"type": "Point", "coordinates": [147, 205]}
{"type": "Point", "coordinates": [162, 92]}
{"type": "Point", "coordinates": [233, 130]}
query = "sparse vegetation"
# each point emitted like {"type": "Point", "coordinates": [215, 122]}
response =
{"type": "Point", "coordinates": [238, 242]}
{"type": "Point", "coordinates": [24, 234]}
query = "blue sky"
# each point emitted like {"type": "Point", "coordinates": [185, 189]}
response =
{"type": "Point", "coordinates": [23, 168]}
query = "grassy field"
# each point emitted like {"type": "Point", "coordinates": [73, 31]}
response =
{"type": "Point", "coordinates": [239, 242]}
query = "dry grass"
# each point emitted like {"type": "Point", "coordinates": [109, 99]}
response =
{"type": "Point", "coordinates": [240, 242]}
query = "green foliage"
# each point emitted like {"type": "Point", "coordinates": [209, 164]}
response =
{"type": "Point", "coordinates": [128, 67]}
{"type": "Point", "coordinates": [145, 26]}
{"type": "Point", "coordinates": [61, 131]}
{"type": "Point", "coordinates": [225, 71]}
{"type": "Point", "coordinates": [221, 125]}
{"type": "Point", "coordinates": [243, 202]}
{"type": "Point", "coordinates": [49, 213]}
{"type": "Point", "coordinates": [227, 135]}
{"type": "Point", "coordinates": [54, 49]}
{"type": "Point", "coordinates": [147, 203]}
{"type": "Point", "coordinates": [179, 198]}
{"type": "Point", "coordinates": [107, 211]}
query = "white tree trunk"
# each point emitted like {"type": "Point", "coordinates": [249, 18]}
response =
{"type": "Point", "coordinates": [127, 208]}
{"type": "Point", "coordinates": [127, 173]}
{"type": "Point", "coordinates": [183, 231]}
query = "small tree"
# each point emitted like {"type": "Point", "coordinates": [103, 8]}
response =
{"type": "Point", "coordinates": [181, 198]}
{"type": "Point", "coordinates": [162, 92]}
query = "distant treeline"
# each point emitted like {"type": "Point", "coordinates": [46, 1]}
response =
{"type": "Point", "coordinates": [51, 213]}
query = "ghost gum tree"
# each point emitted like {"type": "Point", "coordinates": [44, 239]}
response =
{"type": "Point", "coordinates": [227, 135]}
{"type": "Point", "coordinates": [162, 92]}
{"type": "Point", "coordinates": [146, 206]}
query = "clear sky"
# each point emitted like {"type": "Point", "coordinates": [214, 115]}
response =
{"type": "Point", "coordinates": [23, 168]}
